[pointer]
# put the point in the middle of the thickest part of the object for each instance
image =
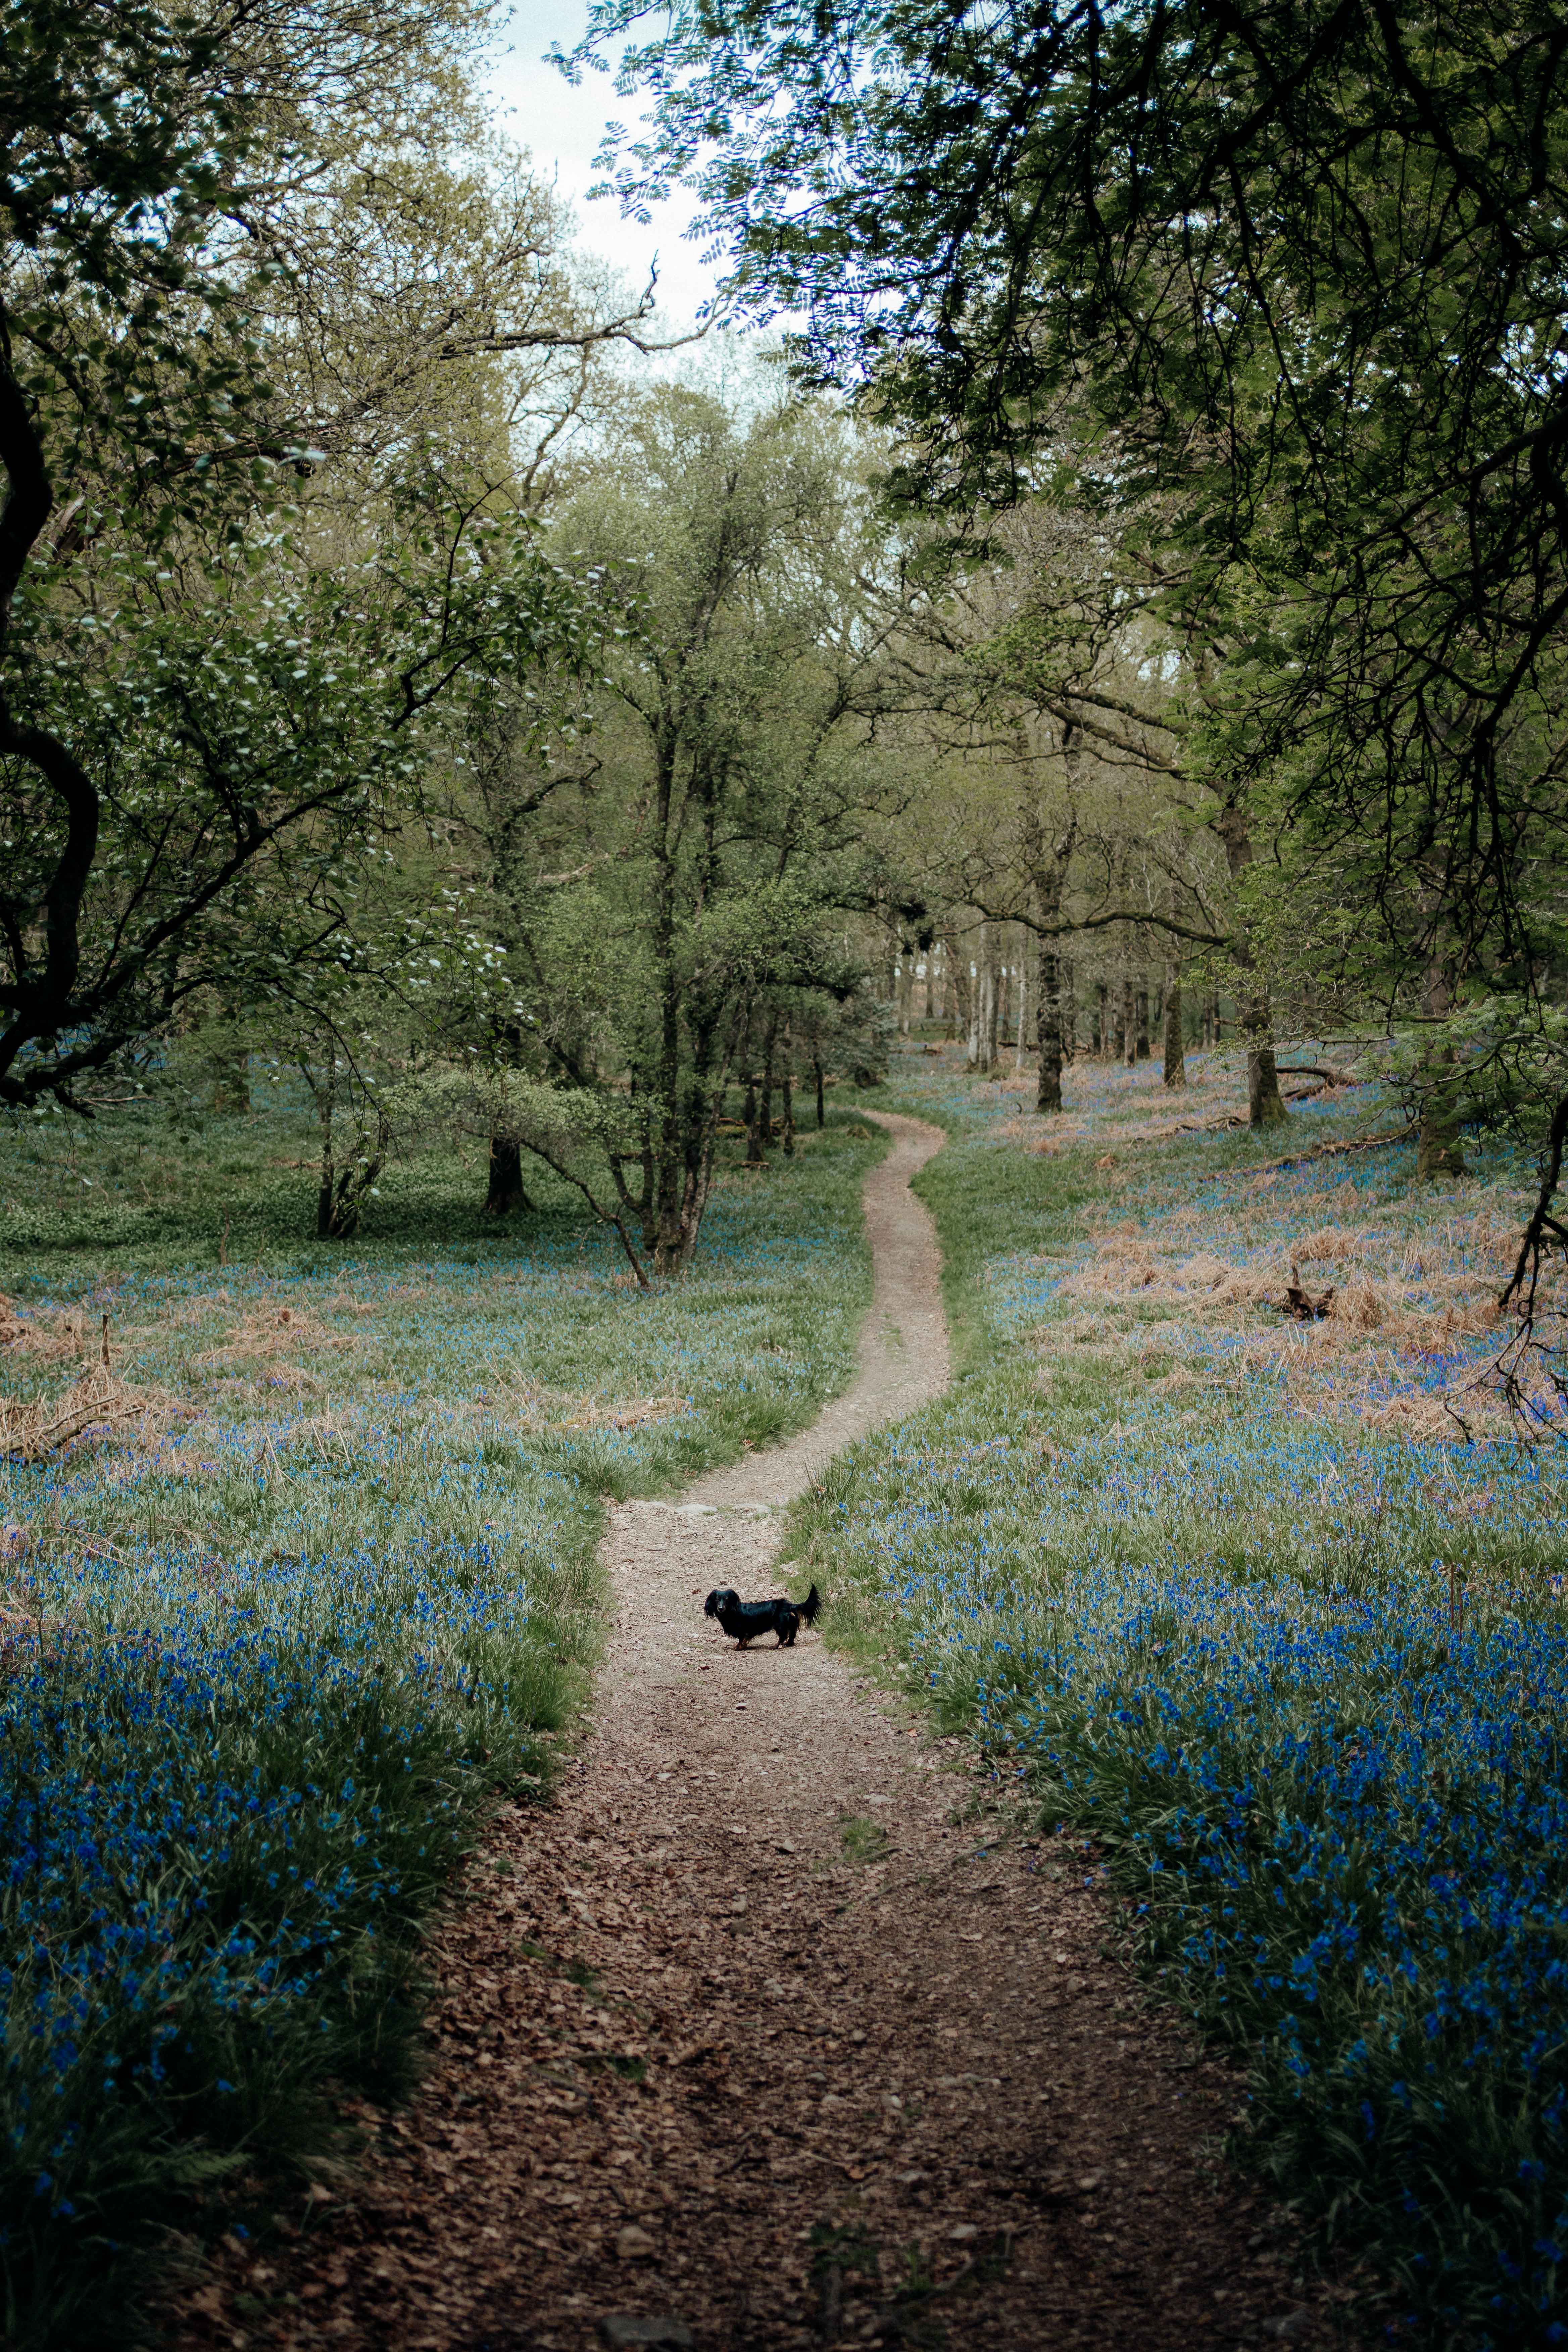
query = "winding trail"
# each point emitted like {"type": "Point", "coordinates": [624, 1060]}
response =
{"type": "Point", "coordinates": [765, 2019]}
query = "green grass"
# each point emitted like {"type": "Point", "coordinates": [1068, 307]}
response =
{"type": "Point", "coordinates": [862, 1839]}
{"type": "Point", "coordinates": [281, 1625]}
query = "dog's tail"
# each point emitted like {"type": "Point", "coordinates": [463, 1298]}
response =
{"type": "Point", "coordinates": [807, 1609]}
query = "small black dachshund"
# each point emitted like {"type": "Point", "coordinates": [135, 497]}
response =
{"type": "Point", "coordinates": [744, 1620]}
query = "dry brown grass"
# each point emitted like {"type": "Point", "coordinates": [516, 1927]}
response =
{"type": "Point", "coordinates": [98, 1405]}
{"type": "Point", "coordinates": [1329, 1246]}
{"type": "Point", "coordinates": [332, 1436]}
{"type": "Point", "coordinates": [1428, 1417]}
{"type": "Point", "coordinates": [268, 1332]}
{"type": "Point", "coordinates": [55, 1335]}
{"type": "Point", "coordinates": [1398, 1300]}
{"type": "Point", "coordinates": [634, 1412]}
{"type": "Point", "coordinates": [1182, 1377]}
{"type": "Point", "coordinates": [292, 1379]}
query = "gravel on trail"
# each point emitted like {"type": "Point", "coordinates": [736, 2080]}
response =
{"type": "Point", "coordinates": [766, 2031]}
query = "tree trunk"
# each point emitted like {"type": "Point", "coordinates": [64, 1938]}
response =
{"type": "Point", "coordinates": [976, 1007]}
{"type": "Point", "coordinates": [1265, 1104]}
{"type": "Point", "coordinates": [1023, 1011]}
{"type": "Point", "coordinates": [994, 997]}
{"type": "Point", "coordinates": [1103, 1040]}
{"type": "Point", "coordinates": [753, 1133]}
{"type": "Point", "coordinates": [765, 1108]}
{"type": "Point", "coordinates": [668, 1154]}
{"type": "Point", "coordinates": [324, 1190]}
{"type": "Point", "coordinates": [1127, 1021]}
{"type": "Point", "coordinates": [930, 983]}
{"type": "Point", "coordinates": [1048, 1029]}
{"type": "Point", "coordinates": [816, 1073]}
{"type": "Point", "coordinates": [906, 990]}
{"type": "Point", "coordinates": [650, 1201]}
{"type": "Point", "coordinates": [1049, 870]}
{"type": "Point", "coordinates": [1439, 1146]}
{"type": "Point", "coordinates": [506, 1190]}
{"type": "Point", "coordinates": [984, 1022]}
{"type": "Point", "coordinates": [1141, 1002]}
{"type": "Point", "coordinates": [788, 1085]}
{"type": "Point", "coordinates": [342, 1192]}
{"type": "Point", "coordinates": [1176, 1068]}
{"type": "Point", "coordinates": [963, 994]}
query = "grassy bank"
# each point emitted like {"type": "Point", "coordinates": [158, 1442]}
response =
{"type": "Point", "coordinates": [1274, 1612]}
{"type": "Point", "coordinates": [312, 1582]}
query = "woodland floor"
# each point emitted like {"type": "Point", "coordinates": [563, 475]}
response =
{"type": "Point", "coordinates": [768, 2026]}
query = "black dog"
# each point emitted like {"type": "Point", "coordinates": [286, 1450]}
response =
{"type": "Point", "coordinates": [744, 1620]}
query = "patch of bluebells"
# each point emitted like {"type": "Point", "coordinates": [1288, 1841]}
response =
{"type": "Point", "coordinates": [268, 1656]}
{"type": "Point", "coordinates": [447, 1329]}
{"type": "Point", "coordinates": [1307, 1687]}
{"type": "Point", "coordinates": [229, 1787]}
{"type": "Point", "coordinates": [1342, 1820]}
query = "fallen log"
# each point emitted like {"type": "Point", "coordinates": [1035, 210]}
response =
{"type": "Point", "coordinates": [1332, 1150]}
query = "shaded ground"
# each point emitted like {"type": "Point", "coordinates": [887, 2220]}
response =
{"type": "Point", "coordinates": [774, 2025]}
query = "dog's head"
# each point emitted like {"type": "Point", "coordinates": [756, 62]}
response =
{"type": "Point", "coordinates": [718, 1599]}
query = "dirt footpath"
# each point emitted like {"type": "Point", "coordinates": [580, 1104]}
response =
{"type": "Point", "coordinates": [765, 2034]}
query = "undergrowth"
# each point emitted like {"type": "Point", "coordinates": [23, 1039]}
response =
{"type": "Point", "coordinates": [280, 1625]}
{"type": "Point", "coordinates": [1208, 1587]}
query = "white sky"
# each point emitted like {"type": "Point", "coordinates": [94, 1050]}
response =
{"type": "Point", "coordinates": [561, 128]}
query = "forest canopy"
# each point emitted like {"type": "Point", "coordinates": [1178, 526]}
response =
{"type": "Point", "coordinates": [1147, 543]}
{"type": "Point", "coordinates": [1276, 295]}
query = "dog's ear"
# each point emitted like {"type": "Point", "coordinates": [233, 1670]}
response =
{"type": "Point", "coordinates": [711, 1606]}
